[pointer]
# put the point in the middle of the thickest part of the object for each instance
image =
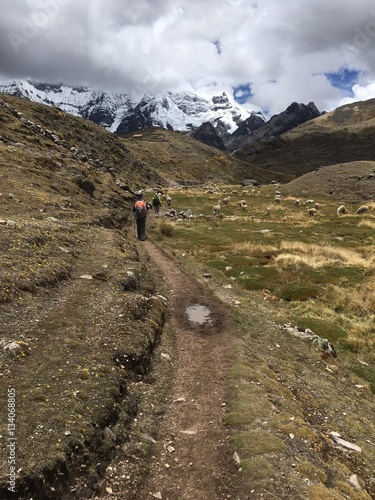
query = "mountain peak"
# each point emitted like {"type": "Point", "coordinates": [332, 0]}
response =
{"type": "Point", "coordinates": [123, 113]}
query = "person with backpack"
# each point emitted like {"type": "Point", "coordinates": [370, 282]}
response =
{"type": "Point", "coordinates": [156, 203]}
{"type": "Point", "coordinates": [140, 209]}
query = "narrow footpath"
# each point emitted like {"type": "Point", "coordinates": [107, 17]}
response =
{"type": "Point", "coordinates": [190, 458]}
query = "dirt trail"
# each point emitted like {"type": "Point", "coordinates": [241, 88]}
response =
{"type": "Point", "coordinates": [190, 456]}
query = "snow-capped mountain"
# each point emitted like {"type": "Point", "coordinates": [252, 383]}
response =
{"type": "Point", "coordinates": [122, 113]}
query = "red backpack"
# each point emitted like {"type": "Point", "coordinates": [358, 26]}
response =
{"type": "Point", "coordinates": [140, 209]}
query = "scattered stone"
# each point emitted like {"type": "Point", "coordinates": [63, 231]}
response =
{"type": "Point", "coordinates": [354, 481]}
{"type": "Point", "coordinates": [179, 400]}
{"type": "Point", "coordinates": [166, 356]}
{"type": "Point", "coordinates": [12, 348]}
{"type": "Point", "coordinates": [236, 457]}
{"type": "Point", "coordinates": [207, 275]}
{"type": "Point", "coordinates": [170, 449]}
{"type": "Point", "coordinates": [189, 432]}
{"type": "Point", "coordinates": [146, 437]}
{"type": "Point", "coordinates": [157, 495]}
{"type": "Point", "coordinates": [86, 277]}
{"type": "Point", "coordinates": [347, 444]}
{"type": "Point", "coordinates": [10, 224]}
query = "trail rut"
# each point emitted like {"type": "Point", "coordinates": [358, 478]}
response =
{"type": "Point", "coordinates": [190, 455]}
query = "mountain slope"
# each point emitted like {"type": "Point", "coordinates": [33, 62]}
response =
{"type": "Point", "coordinates": [177, 157]}
{"type": "Point", "coordinates": [343, 135]}
{"type": "Point", "coordinates": [123, 113]}
{"type": "Point", "coordinates": [160, 157]}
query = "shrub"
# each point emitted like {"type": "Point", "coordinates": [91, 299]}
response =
{"type": "Point", "coordinates": [166, 228]}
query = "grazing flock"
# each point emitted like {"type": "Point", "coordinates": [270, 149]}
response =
{"type": "Point", "coordinates": [242, 198]}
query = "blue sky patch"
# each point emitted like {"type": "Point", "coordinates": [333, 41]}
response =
{"type": "Point", "coordinates": [344, 80]}
{"type": "Point", "coordinates": [241, 93]}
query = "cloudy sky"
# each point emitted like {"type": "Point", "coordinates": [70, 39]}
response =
{"type": "Point", "coordinates": [265, 53]}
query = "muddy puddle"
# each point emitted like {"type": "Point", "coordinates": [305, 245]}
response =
{"type": "Point", "coordinates": [199, 315]}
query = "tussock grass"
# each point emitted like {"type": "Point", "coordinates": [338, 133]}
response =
{"type": "Point", "coordinates": [319, 256]}
{"type": "Point", "coordinates": [166, 228]}
{"type": "Point", "coordinates": [367, 223]}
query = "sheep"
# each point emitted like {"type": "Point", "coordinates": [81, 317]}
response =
{"type": "Point", "coordinates": [311, 211]}
{"type": "Point", "coordinates": [277, 199]}
{"type": "Point", "coordinates": [252, 192]}
{"type": "Point", "coordinates": [245, 193]}
{"type": "Point", "coordinates": [341, 210]}
{"type": "Point", "coordinates": [278, 193]}
{"type": "Point", "coordinates": [267, 211]}
{"type": "Point", "coordinates": [361, 210]}
{"type": "Point", "coordinates": [234, 191]}
{"type": "Point", "coordinates": [216, 209]}
{"type": "Point", "coordinates": [169, 200]}
{"type": "Point", "coordinates": [309, 202]}
{"type": "Point", "coordinates": [226, 200]}
{"type": "Point", "coordinates": [244, 207]}
{"type": "Point", "coordinates": [241, 202]}
{"type": "Point", "coordinates": [297, 203]}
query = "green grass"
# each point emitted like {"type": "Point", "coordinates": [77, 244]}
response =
{"type": "Point", "coordinates": [280, 254]}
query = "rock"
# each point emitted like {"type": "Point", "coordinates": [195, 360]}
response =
{"type": "Point", "coordinates": [236, 457]}
{"type": "Point", "coordinates": [86, 277]}
{"type": "Point", "coordinates": [354, 481]}
{"type": "Point", "coordinates": [85, 184]}
{"type": "Point", "coordinates": [146, 437]}
{"type": "Point", "coordinates": [130, 281]}
{"type": "Point", "coordinates": [10, 224]}
{"type": "Point", "coordinates": [347, 444]}
{"type": "Point", "coordinates": [187, 213]}
{"type": "Point", "coordinates": [179, 400]}
{"type": "Point", "coordinates": [12, 348]}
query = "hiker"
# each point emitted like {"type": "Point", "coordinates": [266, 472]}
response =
{"type": "Point", "coordinates": [140, 209]}
{"type": "Point", "coordinates": [156, 203]}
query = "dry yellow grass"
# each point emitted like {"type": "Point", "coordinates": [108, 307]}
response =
{"type": "Point", "coordinates": [318, 256]}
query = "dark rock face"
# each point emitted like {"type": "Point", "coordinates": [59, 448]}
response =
{"type": "Point", "coordinates": [249, 125]}
{"type": "Point", "coordinates": [206, 133]}
{"type": "Point", "coordinates": [294, 115]}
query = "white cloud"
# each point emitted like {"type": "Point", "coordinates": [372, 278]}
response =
{"type": "Point", "coordinates": [281, 47]}
{"type": "Point", "coordinates": [361, 93]}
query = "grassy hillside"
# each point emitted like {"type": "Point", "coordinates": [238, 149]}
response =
{"type": "Point", "coordinates": [354, 181]}
{"type": "Point", "coordinates": [178, 157]}
{"type": "Point", "coordinates": [343, 135]}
